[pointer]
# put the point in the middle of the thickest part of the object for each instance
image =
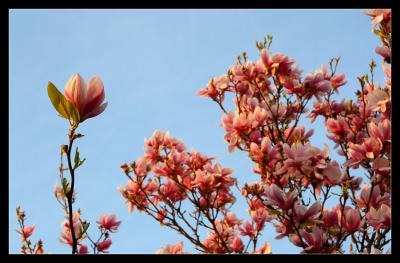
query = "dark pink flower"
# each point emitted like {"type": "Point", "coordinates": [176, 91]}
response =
{"type": "Point", "coordinates": [27, 231]}
{"type": "Point", "coordinates": [109, 222]}
{"type": "Point", "coordinates": [103, 246]}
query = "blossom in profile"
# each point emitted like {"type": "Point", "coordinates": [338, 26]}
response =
{"type": "Point", "coordinates": [87, 98]}
{"type": "Point", "coordinates": [27, 231]}
{"type": "Point", "coordinates": [265, 249]}
{"type": "Point", "coordinates": [109, 222]}
{"type": "Point", "coordinates": [172, 249]}
{"type": "Point", "coordinates": [104, 245]}
{"type": "Point", "coordinates": [351, 220]}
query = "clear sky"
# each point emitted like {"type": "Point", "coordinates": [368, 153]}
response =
{"type": "Point", "coordinates": [152, 63]}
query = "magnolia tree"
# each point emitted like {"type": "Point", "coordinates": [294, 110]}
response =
{"type": "Point", "coordinates": [317, 203]}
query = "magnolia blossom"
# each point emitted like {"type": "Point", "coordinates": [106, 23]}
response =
{"type": "Point", "coordinates": [104, 245]}
{"type": "Point", "coordinates": [304, 214]}
{"type": "Point", "coordinates": [109, 222]}
{"type": "Point", "coordinates": [264, 249]}
{"type": "Point", "coordinates": [377, 100]}
{"type": "Point", "coordinates": [351, 220]}
{"type": "Point", "coordinates": [27, 231]}
{"type": "Point", "coordinates": [279, 198]}
{"type": "Point", "coordinates": [381, 217]}
{"type": "Point", "coordinates": [315, 240]}
{"type": "Point", "coordinates": [87, 98]}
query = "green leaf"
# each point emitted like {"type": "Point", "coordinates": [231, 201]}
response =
{"type": "Point", "coordinates": [78, 135]}
{"type": "Point", "coordinates": [64, 107]}
{"type": "Point", "coordinates": [65, 185]}
{"type": "Point", "coordinates": [76, 159]}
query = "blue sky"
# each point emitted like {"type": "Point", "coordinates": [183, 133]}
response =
{"type": "Point", "coordinates": [152, 63]}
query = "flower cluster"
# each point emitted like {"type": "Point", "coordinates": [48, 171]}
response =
{"type": "Point", "coordinates": [270, 95]}
{"type": "Point", "coordinates": [168, 178]}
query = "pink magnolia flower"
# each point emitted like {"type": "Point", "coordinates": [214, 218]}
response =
{"type": "Point", "coordinates": [375, 199]}
{"type": "Point", "coordinates": [266, 152]}
{"type": "Point", "coordinates": [265, 249]}
{"type": "Point", "coordinates": [330, 217]}
{"type": "Point", "coordinates": [260, 216]}
{"type": "Point", "coordinates": [304, 214]}
{"type": "Point", "coordinates": [88, 99]}
{"type": "Point", "coordinates": [103, 246]}
{"type": "Point", "coordinates": [316, 85]}
{"type": "Point", "coordinates": [351, 220]}
{"type": "Point", "coordinates": [388, 73]}
{"type": "Point", "coordinates": [382, 131]}
{"type": "Point", "coordinates": [369, 149]}
{"type": "Point", "coordinates": [381, 217]}
{"type": "Point", "coordinates": [303, 160]}
{"type": "Point", "coordinates": [82, 249]}
{"type": "Point", "coordinates": [172, 249]}
{"type": "Point", "coordinates": [337, 81]}
{"type": "Point", "coordinates": [279, 198]}
{"type": "Point", "coordinates": [332, 173]}
{"type": "Point", "coordinates": [215, 87]}
{"type": "Point", "coordinates": [172, 191]}
{"type": "Point", "coordinates": [231, 220]}
{"type": "Point", "coordinates": [247, 229]}
{"type": "Point", "coordinates": [237, 244]}
{"type": "Point", "coordinates": [109, 222]}
{"type": "Point", "coordinates": [315, 240]}
{"type": "Point", "coordinates": [385, 52]}
{"type": "Point", "coordinates": [377, 100]}
{"type": "Point", "coordinates": [337, 128]}
{"type": "Point", "coordinates": [27, 231]}
{"type": "Point", "coordinates": [379, 15]}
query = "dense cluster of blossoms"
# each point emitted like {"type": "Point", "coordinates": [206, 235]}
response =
{"type": "Point", "coordinates": [189, 193]}
{"type": "Point", "coordinates": [270, 96]}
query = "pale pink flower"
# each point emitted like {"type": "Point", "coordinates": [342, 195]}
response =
{"type": "Point", "coordinates": [88, 99]}
{"type": "Point", "coordinates": [377, 100]}
{"type": "Point", "coordinates": [172, 249]}
{"type": "Point", "coordinates": [265, 249]}
{"type": "Point", "coordinates": [378, 15]}
{"type": "Point", "coordinates": [304, 214]}
{"type": "Point", "coordinates": [374, 200]}
{"type": "Point", "coordinates": [104, 245]}
{"type": "Point", "coordinates": [279, 198]}
{"type": "Point", "coordinates": [351, 220]}
{"type": "Point", "coordinates": [316, 85]}
{"type": "Point", "coordinates": [332, 173]}
{"type": "Point", "coordinates": [315, 240]}
{"type": "Point", "coordinates": [382, 131]}
{"type": "Point", "coordinates": [109, 222]}
{"type": "Point", "coordinates": [381, 217]}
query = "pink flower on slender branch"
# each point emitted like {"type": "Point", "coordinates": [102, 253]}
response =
{"type": "Point", "coordinates": [104, 245]}
{"type": "Point", "coordinates": [87, 98]}
{"type": "Point", "coordinates": [109, 222]}
{"type": "Point", "coordinates": [27, 231]}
